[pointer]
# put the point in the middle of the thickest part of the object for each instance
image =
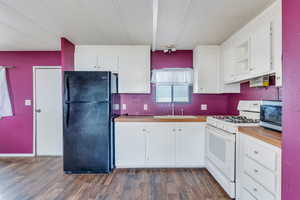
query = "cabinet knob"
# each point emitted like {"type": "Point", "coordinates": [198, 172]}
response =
{"type": "Point", "coordinates": [255, 170]}
{"type": "Point", "coordinates": [179, 129]}
{"type": "Point", "coordinates": [256, 152]}
{"type": "Point", "coordinates": [144, 130]}
{"type": "Point", "coordinates": [173, 129]}
{"type": "Point", "coordinates": [255, 189]}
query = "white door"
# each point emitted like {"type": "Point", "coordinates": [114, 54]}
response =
{"type": "Point", "coordinates": [48, 111]}
{"type": "Point", "coordinates": [190, 144]}
{"type": "Point", "coordinates": [161, 145]}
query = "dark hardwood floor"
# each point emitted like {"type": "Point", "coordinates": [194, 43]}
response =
{"type": "Point", "coordinates": [42, 178]}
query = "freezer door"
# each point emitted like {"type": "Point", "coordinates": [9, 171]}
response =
{"type": "Point", "coordinates": [87, 137]}
{"type": "Point", "coordinates": [87, 86]}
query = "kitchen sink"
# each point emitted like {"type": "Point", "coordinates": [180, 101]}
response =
{"type": "Point", "coordinates": [175, 117]}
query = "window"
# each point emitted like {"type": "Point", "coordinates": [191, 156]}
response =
{"type": "Point", "coordinates": [173, 93]}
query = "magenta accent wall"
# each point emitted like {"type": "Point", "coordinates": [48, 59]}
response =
{"type": "Point", "coordinates": [291, 100]}
{"type": "Point", "coordinates": [16, 133]}
{"type": "Point", "coordinates": [217, 104]}
{"type": "Point", "coordinates": [247, 93]}
{"type": "Point", "coordinates": [67, 54]}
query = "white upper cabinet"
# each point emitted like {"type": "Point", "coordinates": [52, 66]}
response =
{"type": "Point", "coordinates": [277, 47]}
{"type": "Point", "coordinates": [134, 70]}
{"type": "Point", "coordinates": [206, 69]}
{"type": "Point", "coordinates": [256, 49]}
{"type": "Point", "coordinates": [132, 63]}
{"type": "Point", "coordinates": [208, 64]}
{"type": "Point", "coordinates": [260, 45]}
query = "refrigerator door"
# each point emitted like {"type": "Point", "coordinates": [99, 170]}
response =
{"type": "Point", "coordinates": [87, 138]}
{"type": "Point", "coordinates": [87, 86]}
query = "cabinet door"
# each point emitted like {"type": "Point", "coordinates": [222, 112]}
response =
{"type": "Point", "coordinates": [228, 64]}
{"type": "Point", "coordinates": [85, 56]}
{"type": "Point", "coordinates": [130, 144]}
{"type": "Point", "coordinates": [277, 48]}
{"type": "Point", "coordinates": [190, 145]}
{"type": "Point", "coordinates": [108, 63]}
{"type": "Point", "coordinates": [161, 145]}
{"type": "Point", "coordinates": [206, 69]}
{"type": "Point", "coordinates": [134, 69]}
{"type": "Point", "coordinates": [260, 63]}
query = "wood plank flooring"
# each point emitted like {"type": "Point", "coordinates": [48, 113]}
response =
{"type": "Point", "coordinates": [43, 178]}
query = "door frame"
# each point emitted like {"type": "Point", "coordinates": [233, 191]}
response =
{"type": "Point", "coordinates": [34, 68]}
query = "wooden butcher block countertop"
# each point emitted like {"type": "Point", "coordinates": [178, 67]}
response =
{"type": "Point", "coordinates": [266, 135]}
{"type": "Point", "coordinates": [153, 119]}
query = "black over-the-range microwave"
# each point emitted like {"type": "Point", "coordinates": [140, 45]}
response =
{"type": "Point", "coordinates": [271, 114]}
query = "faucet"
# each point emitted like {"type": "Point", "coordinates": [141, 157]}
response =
{"type": "Point", "coordinates": [173, 108]}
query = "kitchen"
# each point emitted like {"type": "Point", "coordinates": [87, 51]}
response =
{"type": "Point", "coordinates": [191, 120]}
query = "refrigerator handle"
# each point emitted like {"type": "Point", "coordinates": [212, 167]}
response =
{"type": "Point", "coordinates": [67, 101]}
{"type": "Point", "coordinates": [67, 115]}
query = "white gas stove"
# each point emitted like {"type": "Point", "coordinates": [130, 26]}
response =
{"type": "Point", "coordinates": [221, 142]}
{"type": "Point", "coordinates": [231, 123]}
{"type": "Point", "coordinates": [249, 116]}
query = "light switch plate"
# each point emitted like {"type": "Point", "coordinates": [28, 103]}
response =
{"type": "Point", "coordinates": [27, 102]}
{"type": "Point", "coordinates": [145, 106]}
{"type": "Point", "coordinates": [124, 106]}
{"type": "Point", "coordinates": [203, 106]}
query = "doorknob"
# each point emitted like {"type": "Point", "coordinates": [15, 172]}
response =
{"type": "Point", "coordinates": [38, 110]}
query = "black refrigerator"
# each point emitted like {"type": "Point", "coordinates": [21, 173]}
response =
{"type": "Point", "coordinates": [88, 136]}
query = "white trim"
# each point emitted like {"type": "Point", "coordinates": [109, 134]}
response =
{"type": "Point", "coordinates": [33, 103]}
{"type": "Point", "coordinates": [155, 18]}
{"type": "Point", "coordinates": [16, 155]}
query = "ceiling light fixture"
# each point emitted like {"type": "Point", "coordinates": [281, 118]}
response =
{"type": "Point", "coordinates": [169, 49]}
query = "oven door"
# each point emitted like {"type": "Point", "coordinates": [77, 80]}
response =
{"type": "Point", "coordinates": [220, 151]}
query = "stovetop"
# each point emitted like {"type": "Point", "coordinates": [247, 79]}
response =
{"type": "Point", "coordinates": [237, 119]}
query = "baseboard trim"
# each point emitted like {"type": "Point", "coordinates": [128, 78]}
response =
{"type": "Point", "coordinates": [16, 155]}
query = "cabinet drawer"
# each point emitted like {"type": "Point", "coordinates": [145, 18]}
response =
{"type": "Point", "coordinates": [260, 174]}
{"type": "Point", "coordinates": [256, 190]}
{"type": "Point", "coordinates": [261, 154]}
{"type": "Point", "coordinates": [246, 195]}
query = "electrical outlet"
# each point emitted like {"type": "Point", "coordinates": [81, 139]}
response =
{"type": "Point", "coordinates": [203, 106]}
{"type": "Point", "coordinates": [145, 106]}
{"type": "Point", "coordinates": [116, 106]}
{"type": "Point", "coordinates": [124, 106]}
{"type": "Point", "coordinates": [27, 102]}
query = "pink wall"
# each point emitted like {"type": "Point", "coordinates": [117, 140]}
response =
{"type": "Point", "coordinates": [217, 104]}
{"type": "Point", "coordinates": [16, 132]}
{"type": "Point", "coordinates": [291, 100]}
{"type": "Point", "coordinates": [247, 93]}
{"type": "Point", "coordinates": [67, 54]}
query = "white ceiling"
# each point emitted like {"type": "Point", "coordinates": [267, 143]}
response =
{"type": "Point", "coordinates": [38, 24]}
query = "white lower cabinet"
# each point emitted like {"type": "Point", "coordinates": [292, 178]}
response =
{"type": "Point", "coordinates": [160, 148]}
{"type": "Point", "coordinates": [130, 142]}
{"type": "Point", "coordinates": [190, 145]}
{"type": "Point", "coordinates": [159, 144]}
{"type": "Point", "coordinates": [258, 169]}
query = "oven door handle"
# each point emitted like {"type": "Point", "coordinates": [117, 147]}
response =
{"type": "Point", "coordinates": [220, 133]}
